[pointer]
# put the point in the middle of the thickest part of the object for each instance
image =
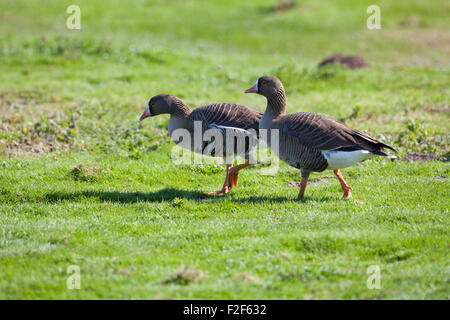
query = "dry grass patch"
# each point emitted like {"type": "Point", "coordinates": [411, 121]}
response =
{"type": "Point", "coordinates": [185, 275]}
{"type": "Point", "coordinates": [245, 277]}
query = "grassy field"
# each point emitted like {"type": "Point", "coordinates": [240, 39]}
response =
{"type": "Point", "coordinates": [83, 182]}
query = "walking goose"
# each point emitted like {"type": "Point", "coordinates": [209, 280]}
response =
{"type": "Point", "coordinates": [233, 122]}
{"type": "Point", "coordinates": [311, 141]}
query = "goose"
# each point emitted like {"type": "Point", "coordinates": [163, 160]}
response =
{"type": "Point", "coordinates": [312, 142]}
{"type": "Point", "coordinates": [233, 122]}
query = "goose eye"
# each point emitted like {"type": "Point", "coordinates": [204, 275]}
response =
{"type": "Point", "coordinates": [262, 82]}
{"type": "Point", "coordinates": [152, 104]}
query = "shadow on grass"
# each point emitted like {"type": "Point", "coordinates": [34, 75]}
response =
{"type": "Point", "coordinates": [166, 194]}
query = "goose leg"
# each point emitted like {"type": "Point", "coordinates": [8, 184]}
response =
{"type": "Point", "coordinates": [226, 185]}
{"type": "Point", "coordinates": [301, 194]}
{"type": "Point", "coordinates": [303, 183]}
{"type": "Point", "coordinates": [234, 172]}
{"type": "Point", "coordinates": [345, 187]}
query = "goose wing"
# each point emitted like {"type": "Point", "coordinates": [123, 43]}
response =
{"type": "Point", "coordinates": [324, 133]}
{"type": "Point", "coordinates": [237, 125]}
{"type": "Point", "coordinates": [226, 114]}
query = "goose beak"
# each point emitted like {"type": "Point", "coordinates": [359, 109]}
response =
{"type": "Point", "coordinates": [146, 114]}
{"type": "Point", "coordinates": [253, 89]}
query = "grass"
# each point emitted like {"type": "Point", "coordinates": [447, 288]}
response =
{"type": "Point", "coordinates": [82, 182]}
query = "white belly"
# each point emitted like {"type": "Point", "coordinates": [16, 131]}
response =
{"type": "Point", "coordinates": [343, 159]}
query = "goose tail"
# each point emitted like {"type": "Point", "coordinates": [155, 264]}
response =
{"type": "Point", "coordinates": [384, 154]}
{"type": "Point", "coordinates": [382, 145]}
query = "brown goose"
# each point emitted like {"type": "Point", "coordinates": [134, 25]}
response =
{"type": "Point", "coordinates": [311, 141]}
{"type": "Point", "coordinates": [233, 122]}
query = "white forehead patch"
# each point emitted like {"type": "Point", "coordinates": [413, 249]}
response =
{"type": "Point", "coordinates": [148, 107]}
{"type": "Point", "coordinates": [256, 85]}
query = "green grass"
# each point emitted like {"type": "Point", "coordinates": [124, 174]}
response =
{"type": "Point", "coordinates": [82, 182]}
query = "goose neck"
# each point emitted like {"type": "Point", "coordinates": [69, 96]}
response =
{"type": "Point", "coordinates": [179, 114]}
{"type": "Point", "coordinates": [276, 103]}
{"type": "Point", "coordinates": [179, 110]}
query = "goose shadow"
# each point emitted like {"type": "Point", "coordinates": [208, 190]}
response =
{"type": "Point", "coordinates": [165, 194]}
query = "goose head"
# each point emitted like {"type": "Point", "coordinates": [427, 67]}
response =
{"type": "Point", "coordinates": [267, 86]}
{"type": "Point", "coordinates": [161, 104]}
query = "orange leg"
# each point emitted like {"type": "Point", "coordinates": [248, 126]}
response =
{"type": "Point", "coordinates": [234, 172]}
{"type": "Point", "coordinates": [345, 187]}
{"type": "Point", "coordinates": [226, 185]}
{"type": "Point", "coordinates": [303, 183]}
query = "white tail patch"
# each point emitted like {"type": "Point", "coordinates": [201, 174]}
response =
{"type": "Point", "coordinates": [343, 159]}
